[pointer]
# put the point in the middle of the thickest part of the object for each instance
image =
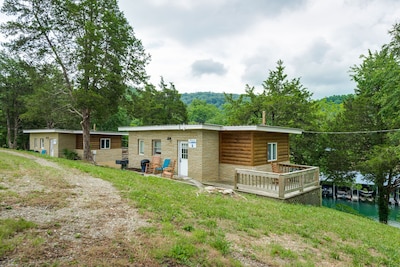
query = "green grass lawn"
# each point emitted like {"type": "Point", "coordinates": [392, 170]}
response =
{"type": "Point", "coordinates": [194, 228]}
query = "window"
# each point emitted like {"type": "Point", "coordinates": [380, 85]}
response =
{"type": "Point", "coordinates": [272, 151]}
{"type": "Point", "coordinates": [156, 147]}
{"type": "Point", "coordinates": [105, 143]}
{"type": "Point", "coordinates": [35, 144]}
{"type": "Point", "coordinates": [184, 151]}
{"type": "Point", "coordinates": [141, 147]}
{"type": "Point", "coordinates": [41, 143]}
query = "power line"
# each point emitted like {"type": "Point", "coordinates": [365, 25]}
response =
{"type": "Point", "coordinates": [356, 132]}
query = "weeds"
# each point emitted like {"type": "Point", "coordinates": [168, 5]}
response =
{"type": "Point", "coordinates": [9, 228]}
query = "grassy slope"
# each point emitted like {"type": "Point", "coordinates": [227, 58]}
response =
{"type": "Point", "coordinates": [193, 228]}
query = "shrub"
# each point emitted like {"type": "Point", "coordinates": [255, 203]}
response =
{"type": "Point", "coordinates": [69, 154]}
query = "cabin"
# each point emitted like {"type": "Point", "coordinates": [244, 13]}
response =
{"type": "Point", "coordinates": [105, 146]}
{"type": "Point", "coordinates": [253, 158]}
{"type": "Point", "coordinates": [210, 152]}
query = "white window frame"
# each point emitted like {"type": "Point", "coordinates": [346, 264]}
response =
{"type": "Point", "coordinates": [272, 151]}
{"type": "Point", "coordinates": [105, 143]}
{"type": "Point", "coordinates": [141, 147]}
{"type": "Point", "coordinates": [156, 149]}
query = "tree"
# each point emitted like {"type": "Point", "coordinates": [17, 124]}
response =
{"type": "Point", "coordinates": [201, 112]}
{"type": "Point", "coordinates": [289, 103]}
{"type": "Point", "coordinates": [48, 103]}
{"type": "Point", "coordinates": [92, 44]}
{"type": "Point", "coordinates": [157, 107]}
{"type": "Point", "coordinates": [244, 109]}
{"type": "Point", "coordinates": [369, 149]}
{"type": "Point", "coordinates": [15, 83]}
{"type": "Point", "coordinates": [286, 103]}
{"type": "Point", "coordinates": [383, 168]}
{"type": "Point", "coordinates": [216, 99]}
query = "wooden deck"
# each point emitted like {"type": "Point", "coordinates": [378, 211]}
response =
{"type": "Point", "coordinates": [288, 181]}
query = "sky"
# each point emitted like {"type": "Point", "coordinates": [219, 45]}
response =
{"type": "Point", "coordinates": [224, 45]}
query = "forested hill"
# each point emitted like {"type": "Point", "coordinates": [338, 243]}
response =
{"type": "Point", "coordinates": [337, 99]}
{"type": "Point", "coordinates": [218, 99]}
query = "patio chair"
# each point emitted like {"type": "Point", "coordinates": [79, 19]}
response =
{"type": "Point", "coordinates": [169, 171]}
{"type": "Point", "coordinates": [153, 164]}
{"type": "Point", "coordinates": [161, 168]}
{"type": "Point", "coordinates": [275, 167]}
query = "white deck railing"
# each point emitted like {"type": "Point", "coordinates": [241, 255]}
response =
{"type": "Point", "coordinates": [290, 179]}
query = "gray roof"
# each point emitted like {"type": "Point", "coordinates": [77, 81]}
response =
{"type": "Point", "coordinates": [211, 127]}
{"type": "Point", "coordinates": [71, 131]}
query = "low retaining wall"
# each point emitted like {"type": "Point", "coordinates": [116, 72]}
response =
{"type": "Point", "coordinates": [311, 197]}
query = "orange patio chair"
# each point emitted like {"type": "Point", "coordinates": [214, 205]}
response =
{"type": "Point", "coordinates": [169, 171]}
{"type": "Point", "coordinates": [153, 164]}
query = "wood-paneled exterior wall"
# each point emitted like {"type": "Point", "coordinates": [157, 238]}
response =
{"type": "Point", "coordinates": [116, 141]}
{"type": "Point", "coordinates": [250, 148]}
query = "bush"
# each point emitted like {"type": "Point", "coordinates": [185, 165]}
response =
{"type": "Point", "coordinates": [69, 154]}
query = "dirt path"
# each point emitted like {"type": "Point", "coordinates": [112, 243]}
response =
{"type": "Point", "coordinates": [92, 227]}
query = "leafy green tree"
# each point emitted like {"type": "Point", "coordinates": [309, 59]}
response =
{"type": "Point", "coordinates": [243, 110]}
{"type": "Point", "coordinates": [367, 147]}
{"type": "Point", "coordinates": [337, 99]}
{"type": "Point", "coordinates": [289, 103]}
{"type": "Point", "coordinates": [15, 83]}
{"type": "Point", "coordinates": [157, 107]}
{"type": "Point", "coordinates": [201, 112]}
{"type": "Point", "coordinates": [114, 121]}
{"type": "Point", "coordinates": [90, 41]}
{"type": "Point", "coordinates": [327, 111]}
{"type": "Point", "coordinates": [48, 103]}
{"type": "Point", "coordinates": [286, 103]}
{"type": "Point", "coordinates": [216, 99]}
{"type": "Point", "coordinates": [382, 167]}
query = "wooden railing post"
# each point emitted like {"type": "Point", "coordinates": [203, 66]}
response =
{"type": "Point", "coordinates": [277, 184]}
{"type": "Point", "coordinates": [302, 182]}
{"type": "Point", "coordinates": [235, 186]}
{"type": "Point", "coordinates": [281, 180]}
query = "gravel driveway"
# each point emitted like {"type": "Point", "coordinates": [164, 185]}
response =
{"type": "Point", "coordinates": [94, 226]}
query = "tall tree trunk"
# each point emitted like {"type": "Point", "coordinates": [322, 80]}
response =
{"type": "Point", "coordinates": [12, 131]}
{"type": "Point", "coordinates": [16, 126]}
{"type": "Point", "coordinates": [383, 200]}
{"type": "Point", "coordinates": [9, 142]}
{"type": "Point", "coordinates": [87, 154]}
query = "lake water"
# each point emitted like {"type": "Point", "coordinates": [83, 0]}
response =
{"type": "Point", "coordinates": [367, 209]}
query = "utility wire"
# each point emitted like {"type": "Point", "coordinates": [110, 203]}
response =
{"type": "Point", "coordinates": [356, 132]}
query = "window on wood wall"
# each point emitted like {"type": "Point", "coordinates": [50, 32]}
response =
{"type": "Point", "coordinates": [105, 143]}
{"type": "Point", "coordinates": [141, 147]}
{"type": "Point", "coordinates": [272, 151]}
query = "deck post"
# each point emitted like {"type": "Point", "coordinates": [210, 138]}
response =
{"type": "Point", "coordinates": [235, 186]}
{"type": "Point", "coordinates": [277, 185]}
{"type": "Point", "coordinates": [281, 180]}
{"type": "Point", "coordinates": [302, 178]}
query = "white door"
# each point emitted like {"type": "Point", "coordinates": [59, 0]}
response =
{"type": "Point", "coordinates": [183, 165]}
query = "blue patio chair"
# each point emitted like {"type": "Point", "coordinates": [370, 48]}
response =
{"type": "Point", "coordinates": [165, 165]}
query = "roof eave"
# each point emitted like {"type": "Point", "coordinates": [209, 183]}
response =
{"type": "Point", "coordinates": [261, 128]}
